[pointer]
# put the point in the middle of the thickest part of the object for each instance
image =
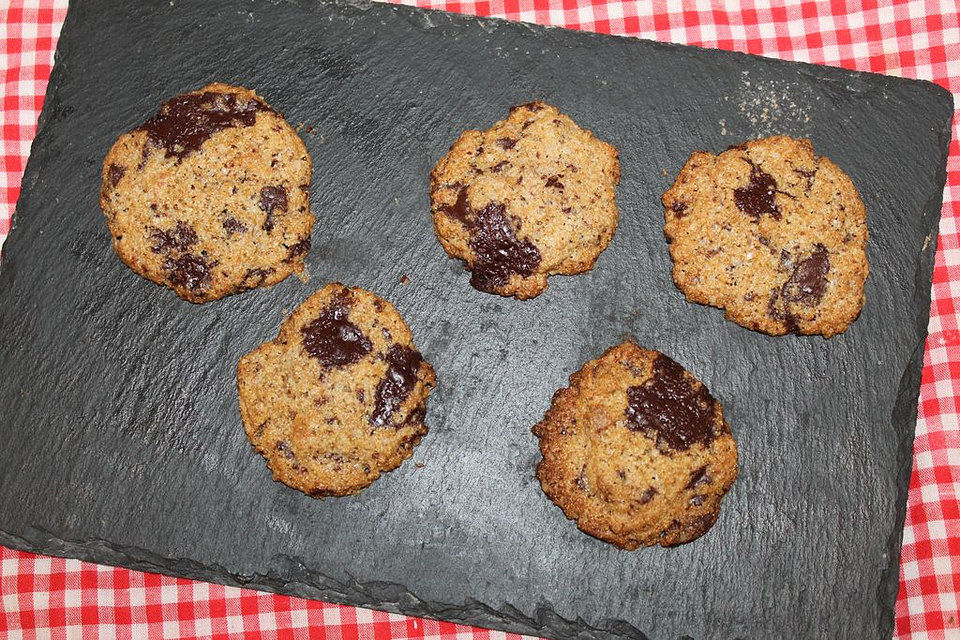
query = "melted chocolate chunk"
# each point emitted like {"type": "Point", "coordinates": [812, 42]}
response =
{"type": "Point", "coordinates": [332, 339]}
{"type": "Point", "coordinates": [115, 174]}
{"type": "Point", "coordinates": [232, 225]}
{"type": "Point", "coordinates": [697, 500]}
{"type": "Point", "coordinates": [396, 385]}
{"type": "Point", "coordinates": [507, 143]}
{"type": "Point", "coordinates": [554, 181]}
{"type": "Point", "coordinates": [758, 197]}
{"type": "Point", "coordinates": [185, 122]}
{"type": "Point", "coordinates": [272, 199]}
{"type": "Point", "coordinates": [180, 237]}
{"type": "Point", "coordinates": [460, 210]}
{"type": "Point", "coordinates": [298, 249]}
{"type": "Point", "coordinates": [790, 321]}
{"type": "Point", "coordinates": [498, 252]}
{"type": "Point", "coordinates": [189, 270]}
{"type": "Point", "coordinates": [698, 478]}
{"type": "Point", "coordinates": [809, 280]}
{"type": "Point", "coordinates": [257, 276]}
{"type": "Point", "coordinates": [672, 408]}
{"type": "Point", "coordinates": [679, 209]}
{"type": "Point", "coordinates": [497, 168]}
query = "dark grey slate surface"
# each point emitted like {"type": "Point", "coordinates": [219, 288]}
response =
{"type": "Point", "coordinates": [121, 438]}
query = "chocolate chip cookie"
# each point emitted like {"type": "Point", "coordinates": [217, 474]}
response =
{"type": "Point", "coordinates": [636, 450]}
{"type": "Point", "coordinates": [210, 195]}
{"type": "Point", "coordinates": [339, 396]}
{"type": "Point", "coordinates": [532, 196]}
{"type": "Point", "coordinates": [773, 234]}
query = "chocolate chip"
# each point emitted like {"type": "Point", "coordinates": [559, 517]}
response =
{"type": "Point", "coordinates": [181, 237]}
{"type": "Point", "coordinates": [758, 197]}
{"type": "Point", "coordinates": [497, 168]}
{"type": "Point", "coordinates": [232, 225]}
{"type": "Point", "coordinates": [554, 181]}
{"type": "Point", "coordinates": [790, 321]}
{"type": "Point", "coordinates": [679, 208]}
{"type": "Point", "coordinates": [300, 248]}
{"type": "Point", "coordinates": [189, 270]}
{"type": "Point", "coordinates": [115, 174]}
{"type": "Point", "coordinates": [185, 122]}
{"type": "Point", "coordinates": [284, 447]}
{"type": "Point", "coordinates": [672, 408]}
{"type": "Point", "coordinates": [507, 143]}
{"type": "Point", "coordinates": [581, 480]}
{"type": "Point", "coordinates": [809, 280]}
{"type": "Point", "coordinates": [698, 477]}
{"type": "Point", "coordinates": [272, 200]}
{"type": "Point", "coordinates": [809, 174]}
{"type": "Point", "coordinates": [399, 380]}
{"type": "Point", "coordinates": [697, 500]}
{"type": "Point", "coordinates": [257, 276]}
{"type": "Point", "coordinates": [460, 210]}
{"type": "Point", "coordinates": [331, 338]}
{"type": "Point", "coordinates": [647, 495]}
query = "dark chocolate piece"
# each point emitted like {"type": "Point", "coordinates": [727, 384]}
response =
{"type": "Point", "coordinates": [185, 122]}
{"type": "Point", "coordinates": [396, 384]}
{"type": "Point", "coordinates": [332, 339]}
{"type": "Point", "coordinates": [272, 199]}
{"type": "Point", "coordinates": [189, 270]}
{"type": "Point", "coordinates": [809, 280]}
{"type": "Point", "coordinates": [671, 407]}
{"type": "Point", "coordinates": [758, 197]}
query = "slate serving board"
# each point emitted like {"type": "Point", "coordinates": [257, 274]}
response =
{"type": "Point", "coordinates": [122, 442]}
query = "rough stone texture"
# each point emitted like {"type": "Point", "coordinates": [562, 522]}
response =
{"type": "Point", "coordinates": [122, 439]}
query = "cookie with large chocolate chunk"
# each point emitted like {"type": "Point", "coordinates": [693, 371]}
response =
{"type": "Point", "coordinates": [636, 450]}
{"type": "Point", "coordinates": [773, 234]}
{"type": "Point", "coordinates": [339, 396]}
{"type": "Point", "coordinates": [210, 195]}
{"type": "Point", "coordinates": [532, 196]}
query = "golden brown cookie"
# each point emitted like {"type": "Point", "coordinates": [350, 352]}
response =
{"type": "Point", "coordinates": [532, 196]}
{"type": "Point", "coordinates": [339, 396]}
{"type": "Point", "coordinates": [636, 450]}
{"type": "Point", "coordinates": [773, 234]}
{"type": "Point", "coordinates": [210, 196]}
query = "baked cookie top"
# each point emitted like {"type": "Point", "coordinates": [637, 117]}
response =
{"type": "Point", "coordinates": [210, 196]}
{"type": "Point", "coordinates": [636, 450]}
{"type": "Point", "coordinates": [532, 196]}
{"type": "Point", "coordinates": [773, 234]}
{"type": "Point", "coordinates": [339, 396]}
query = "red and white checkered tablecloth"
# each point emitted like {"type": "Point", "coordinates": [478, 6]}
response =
{"type": "Point", "coordinates": [54, 597]}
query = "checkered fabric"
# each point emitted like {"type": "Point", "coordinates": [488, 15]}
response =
{"type": "Point", "coordinates": [67, 598]}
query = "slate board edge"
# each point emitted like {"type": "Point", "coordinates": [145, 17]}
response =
{"type": "Point", "coordinates": [396, 598]}
{"type": "Point", "coordinates": [382, 596]}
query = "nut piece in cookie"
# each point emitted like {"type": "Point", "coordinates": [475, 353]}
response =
{"type": "Point", "coordinates": [339, 396]}
{"type": "Point", "coordinates": [210, 196]}
{"type": "Point", "coordinates": [530, 197]}
{"type": "Point", "coordinates": [771, 233]}
{"type": "Point", "coordinates": [636, 450]}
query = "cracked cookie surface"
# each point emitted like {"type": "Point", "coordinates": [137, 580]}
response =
{"type": "Point", "coordinates": [210, 196]}
{"type": "Point", "coordinates": [530, 197]}
{"type": "Point", "coordinates": [771, 233]}
{"type": "Point", "coordinates": [636, 450]}
{"type": "Point", "coordinates": [339, 396]}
